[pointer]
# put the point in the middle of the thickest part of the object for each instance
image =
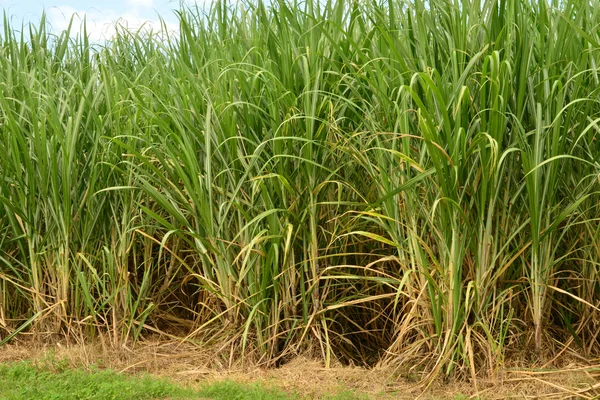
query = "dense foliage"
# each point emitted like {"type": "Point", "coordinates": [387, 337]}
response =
{"type": "Point", "coordinates": [408, 183]}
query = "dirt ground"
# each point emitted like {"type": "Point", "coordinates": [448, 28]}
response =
{"type": "Point", "coordinates": [188, 365]}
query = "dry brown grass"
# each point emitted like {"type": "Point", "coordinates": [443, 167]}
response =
{"type": "Point", "coordinates": [189, 365]}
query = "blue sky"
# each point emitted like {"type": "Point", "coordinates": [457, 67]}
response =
{"type": "Point", "coordinates": [100, 14]}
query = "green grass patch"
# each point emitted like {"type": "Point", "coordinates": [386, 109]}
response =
{"type": "Point", "coordinates": [230, 390]}
{"type": "Point", "coordinates": [25, 380]}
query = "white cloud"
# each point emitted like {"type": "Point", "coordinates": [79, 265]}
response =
{"type": "Point", "coordinates": [197, 3]}
{"type": "Point", "coordinates": [101, 25]}
{"type": "Point", "coordinates": [142, 3]}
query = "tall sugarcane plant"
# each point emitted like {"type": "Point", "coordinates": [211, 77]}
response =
{"type": "Point", "coordinates": [408, 183]}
